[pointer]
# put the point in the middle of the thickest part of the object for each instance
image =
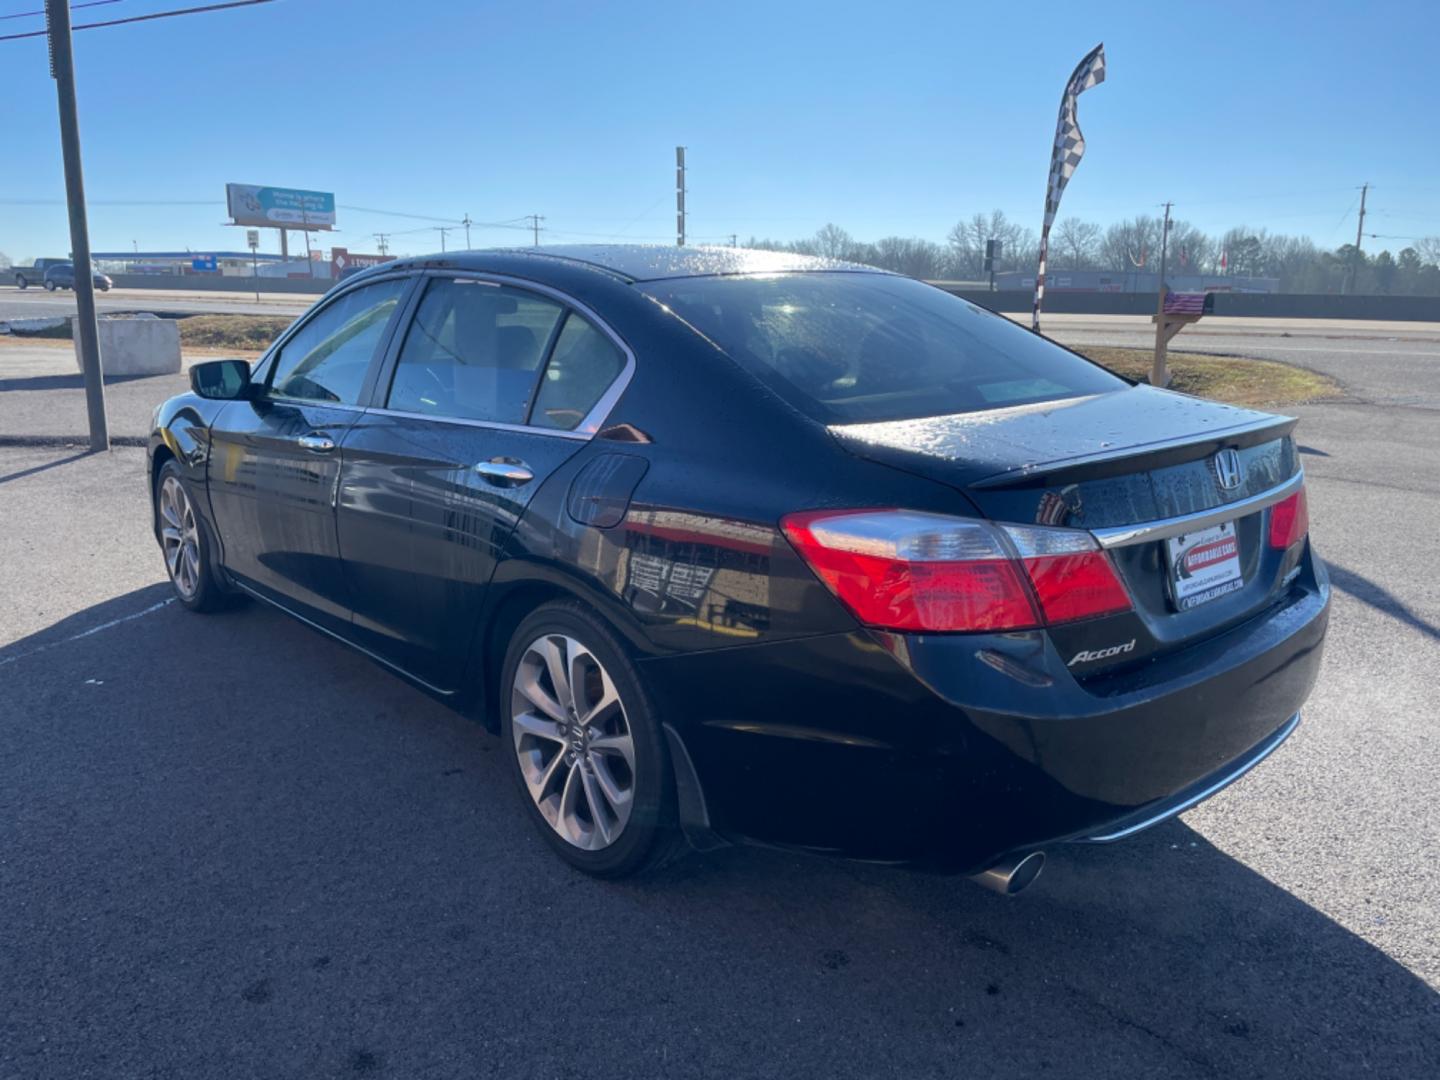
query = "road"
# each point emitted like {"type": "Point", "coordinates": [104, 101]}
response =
{"type": "Point", "coordinates": [230, 847]}
{"type": "Point", "coordinates": [36, 303]}
{"type": "Point", "coordinates": [1390, 363]}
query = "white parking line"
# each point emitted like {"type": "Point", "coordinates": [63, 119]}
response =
{"type": "Point", "coordinates": [93, 630]}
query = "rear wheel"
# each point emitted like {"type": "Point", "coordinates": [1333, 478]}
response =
{"type": "Point", "coordinates": [20, 282]}
{"type": "Point", "coordinates": [588, 752]}
{"type": "Point", "coordinates": [185, 543]}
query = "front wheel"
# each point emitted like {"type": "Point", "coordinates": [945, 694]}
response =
{"type": "Point", "coordinates": [183, 541]}
{"type": "Point", "coordinates": [49, 286]}
{"type": "Point", "coordinates": [589, 756]}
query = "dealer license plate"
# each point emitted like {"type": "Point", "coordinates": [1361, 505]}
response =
{"type": "Point", "coordinates": [1204, 565]}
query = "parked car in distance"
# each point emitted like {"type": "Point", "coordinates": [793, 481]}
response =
{"type": "Point", "coordinates": [731, 544]}
{"type": "Point", "coordinates": [62, 276]}
{"type": "Point", "coordinates": [25, 276]}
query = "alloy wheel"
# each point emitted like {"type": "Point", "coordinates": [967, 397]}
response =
{"type": "Point", "coordinates": [180, 537]}
{"type": "Point", "coordinates": [573, 741]}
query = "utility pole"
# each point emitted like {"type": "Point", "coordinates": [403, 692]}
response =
{"type": "Point", "coordinates": [1359, 234]}
{"type": "Point", "coordinates": [679, 196]}
{"type": "Point", "coordinates": [382, 240]}
{"type": "Point", "coordinates": [442, 230]}
{"type": "Point", "coordinates": [734, 240]}
{"type": "Point", "coordinates": [467, 223]}
{"type": "Point", "coordinates": [1159, 373]}
{"type": "Point", "coordinates": [309, 255]}
{"type": "Point", "coordinates": [87, 329]}
{"type": "Point", "coordinates": [535, 220]}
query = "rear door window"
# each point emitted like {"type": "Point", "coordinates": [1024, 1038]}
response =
{"type": "Point", "coordinates": [857, 347]}
{"type": "Point", "coordinates": [473, 352]}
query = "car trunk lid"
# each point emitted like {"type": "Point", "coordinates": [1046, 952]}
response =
{"type": "Point", "coordinates": [1110, 463]}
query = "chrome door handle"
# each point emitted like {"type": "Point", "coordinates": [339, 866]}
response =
{"type": "Point", "coordinates": [317, 441]}
{"type": "Point", "coordinates": [505, 472]}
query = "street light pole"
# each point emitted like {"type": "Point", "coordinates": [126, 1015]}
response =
{"type": "Point", "coordinates": [87, 329]}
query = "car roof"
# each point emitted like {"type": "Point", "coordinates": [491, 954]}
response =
{"type": "Point", "coordinates": [645, 262]}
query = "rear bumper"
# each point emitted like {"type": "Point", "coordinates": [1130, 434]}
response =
{"type": "Point", "coordinates": [1164, 809]}
{"type": "Point", "coordinates": [948, 752]}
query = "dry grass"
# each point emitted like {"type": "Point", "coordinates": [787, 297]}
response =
{"type": "Point", "coordinates": [235, 334]}
{"type": "Point", "coordinates": [1232, 379]}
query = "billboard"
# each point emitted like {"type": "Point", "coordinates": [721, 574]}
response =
{"type": "Point", "coordinates": [286, 208]}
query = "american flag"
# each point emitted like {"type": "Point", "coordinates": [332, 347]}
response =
{"type": "Point", "coordinates": [1184, 303]}
{"type": "Point", "coordinates": [1069, 149]}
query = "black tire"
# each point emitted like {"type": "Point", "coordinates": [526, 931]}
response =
{"type": "Point", "coordinates": [650, 837]}
{"type": "Point", "coordinates": [209, 593]}
{"type": "Point", "coordinates": [20, 282]}
{"type": "Point", "coordinates": [49, 286]}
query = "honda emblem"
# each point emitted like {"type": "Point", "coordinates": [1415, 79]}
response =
{"type": "Point", "coordinates": [1229, 469]}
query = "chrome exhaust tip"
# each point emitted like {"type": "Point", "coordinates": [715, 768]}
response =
{"type": "Point", "coordinates": [1009, 876]}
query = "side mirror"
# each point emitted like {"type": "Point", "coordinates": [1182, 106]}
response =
{"type": "Point", "coordinates": [225, 380]}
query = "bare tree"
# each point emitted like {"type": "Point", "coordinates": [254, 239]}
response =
{"type": "Point", "coordinates": [1132, 245]}
{"type": "Point", "coordinates": [4, 261]}
{"type": "Point", "coordinates": [967, 243]}
{"type": "Point", "coordinates": [1190, 251]}
{"type": "Point", "coordinates": [1076, 244]}
{"type": "Point", "coordinates": [834, 242]}
{"type": "Point", "coordinates": [1428, 248]}
{"type": "Point", "coordinates": [906, 255]}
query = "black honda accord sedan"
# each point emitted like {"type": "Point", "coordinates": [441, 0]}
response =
{"type": "Point", "coordinates": [739, 545]}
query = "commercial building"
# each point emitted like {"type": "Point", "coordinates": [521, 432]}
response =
{"type": "Point", "coordinates": [210, 264]}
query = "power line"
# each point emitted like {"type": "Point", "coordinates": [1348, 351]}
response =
{"type": "Point", "coordinates": [145, 18]}
{"type": "Point", "coordinates": [116, 202]}
{"type": "Point", "coordinates": [397, 214]}
{"type": "Point", "coordinates": [73, 7]}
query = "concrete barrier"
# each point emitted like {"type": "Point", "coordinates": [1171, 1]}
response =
{"type": "Point", "coordinates": [20, 327]}
{"type": "Point", "coordinates": [135, 345]}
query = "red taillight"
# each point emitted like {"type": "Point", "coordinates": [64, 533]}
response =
{"type": "Point", "coordinates": [1289, 521]}
{"type": "Point", "coordinates": [907, 570]}
{"type": "Point", "coordinates": [1071, 587]}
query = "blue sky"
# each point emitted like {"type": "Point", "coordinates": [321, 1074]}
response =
{"type": "Point", "coordinates": [884, 118]}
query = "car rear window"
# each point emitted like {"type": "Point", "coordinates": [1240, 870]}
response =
{"type": "Point", "coordinates": [853, 347]}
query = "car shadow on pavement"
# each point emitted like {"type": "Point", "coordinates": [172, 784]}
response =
{"type": "Point", "coordinates": [233, 847]}
{"type": "Point", "coordinates": [1381, 599]}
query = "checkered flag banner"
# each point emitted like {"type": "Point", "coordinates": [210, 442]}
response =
{"type": "Point", "coordinates": [1069, 149]}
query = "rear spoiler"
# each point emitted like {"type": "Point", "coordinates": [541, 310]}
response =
{"type": "Point", "coordinates": [1156, 454]}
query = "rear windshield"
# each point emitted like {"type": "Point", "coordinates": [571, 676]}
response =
{"type": "Point", "coordinates": [853, 347]}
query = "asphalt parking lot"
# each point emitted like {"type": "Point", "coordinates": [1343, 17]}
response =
{"type": "Point", "coordinates": [230, 847]}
